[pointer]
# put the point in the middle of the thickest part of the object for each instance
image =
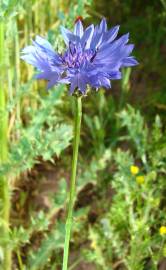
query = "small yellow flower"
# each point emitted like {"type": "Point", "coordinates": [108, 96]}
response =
{"type": "Point", "coordinates": [93, 245]}
{"type": "Point", "coordinates": [140, 179]}
{"type": "Point", "coordinates": [162, 230]}
{"type": "Point", "coordinates": [134, 169]}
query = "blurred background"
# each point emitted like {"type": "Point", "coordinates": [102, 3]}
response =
{"type": "Point", "coordinates": [119, 217]}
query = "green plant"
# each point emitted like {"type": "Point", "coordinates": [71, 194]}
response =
{"type": "Point", "coordinates": [128, 234]}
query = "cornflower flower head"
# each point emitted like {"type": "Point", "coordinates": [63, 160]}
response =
{"type": "Point", "coordinates": [94, 56]}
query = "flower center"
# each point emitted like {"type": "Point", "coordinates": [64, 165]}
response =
{"type": "Point", "coordinates": [76, 56]}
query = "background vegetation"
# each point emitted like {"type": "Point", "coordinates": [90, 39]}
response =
{"type": "Point", "coordinates": [119, 219]}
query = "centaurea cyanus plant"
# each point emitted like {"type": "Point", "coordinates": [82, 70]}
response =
{"type": "Point", "coordinates": [94, 56]}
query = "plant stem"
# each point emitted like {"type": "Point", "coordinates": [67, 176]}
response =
{"type": "Point", "coordinates": [19, 259]}
{"type": "Point", "coordinates": [4, 184]}
{"type": "Point", "coordinates": [77, 126]}
{"type": "Point", "coordinates": [17, 73]}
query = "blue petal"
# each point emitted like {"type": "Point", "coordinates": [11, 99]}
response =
{"type": "Point", "coordinates": [103, 25]}
{"type": "Point", "coordinates": [119, 53]}
{"type": "Point", "coordinates": [28, 49]}
{"type": "Point", "coordinates": [65, 32]}
{"type": "Point", "coordinates": [44, 46]}
{"type": "Point", "coordinates": [35, 60]}
{"type": "Point", "coordinates": [129, 62]}
{"type": "Point", "coordinates": [105, 82]}
{"type": "Point", "coordinates": [100, 80]}
{"type": "Point", "coordinates": [73, 38]}
{"type": "Point", "coordinates": [115, 52]}
{"type": "Point", "coordinates": [115, 44]}
{"type": "Point", "coordinates": [43, 43]}
{"type": "Point", "coordinates": [52, 82]}
{"type": "Point", "coordinates": [78, 81]}
{"type": "Point", "coordinates": [87, 37]}
{"type": "Point", "coordinates": [115, 75]}
{"type": "Point", "coordinates": [74, 84]}
{"type": "Point", "coordinates": [82, 83]}
{"type": "Point", "coordinates": [47, 75]}
{"type": "Point", "coordinates": [110, 35]}
{"type": "Point", "coordinates": [96, 39]}
{"type": "Point", "coordinates": [78, 29]}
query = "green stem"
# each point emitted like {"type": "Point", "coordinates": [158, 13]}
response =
{"type": "Point", "coordinates": [17, 75]}
{"type": "Point", "coordinates": [19, 260]}
{"type": "Point", "coordinates": [4, 184]}
{"type": "Point", "coordinates": [77, 126]}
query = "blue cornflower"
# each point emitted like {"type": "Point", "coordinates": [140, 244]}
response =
{"type": "Point", "coordinates": [93, 57]}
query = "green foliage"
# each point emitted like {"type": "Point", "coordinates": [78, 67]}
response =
{"type": "Point", "coordinates": [44, 136]}
{"type": "Point", "coordinates": [53, 241]}
{"type": "Point", "coordinates": [8, 8]}
{"type": "Point", "coordinates": [117, 214]}
{"type": "Point", "coordinates": [137, 131]}
{"type": "Point", "coordinates": [129, 231]}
